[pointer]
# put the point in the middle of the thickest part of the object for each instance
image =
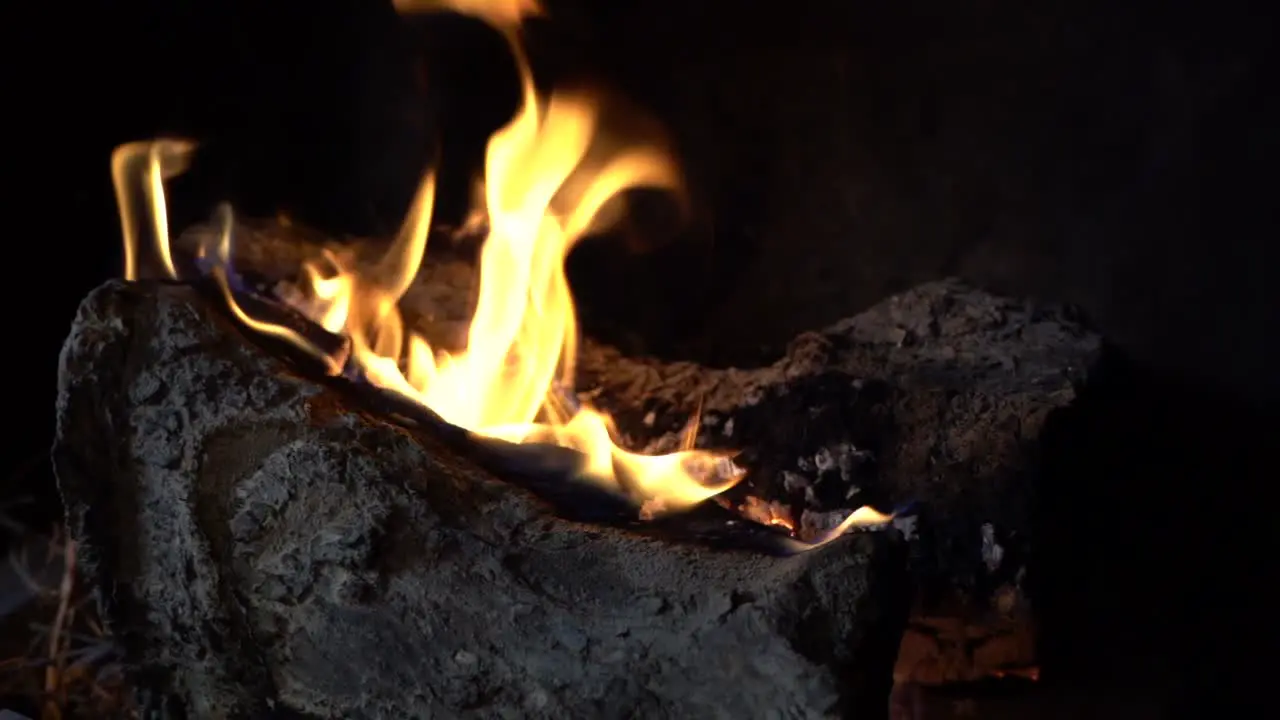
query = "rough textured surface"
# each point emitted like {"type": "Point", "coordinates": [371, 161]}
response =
{"type": "Point", "coordinates": [263, 544]}
{"type": "Point", "coordinates": [936, 397]}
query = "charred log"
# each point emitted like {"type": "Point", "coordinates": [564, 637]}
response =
{"type": "Point", "coordinates": [932, 402]}
{"type": "Point", "coordinates": [266, 544]}
{"type": "Point", "coordinates": [934, 398]}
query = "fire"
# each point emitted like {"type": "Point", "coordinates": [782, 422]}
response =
{"type": "Point", "coordinates": [544, 188]}
{"type": "Point", "coordinates": [505, 15]}
{"type": "Point", "coordinates": [767, 513]}
{"type": "Point", "coordinates": [152, 162]}
{"type": "Point", "coordinates": [547, 181]}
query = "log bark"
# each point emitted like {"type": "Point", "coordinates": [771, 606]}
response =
{"type": "Point", "coordinates": [933, 401]}
{"type": "Point", "coordinates": [267, 545]}
{"type": "Point", "coordinates": [934, 398]}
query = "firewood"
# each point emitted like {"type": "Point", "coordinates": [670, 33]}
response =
{"type": "Point", "coordinates": [270, 544]}
{"type": "Point", "coordinates": [933, 401]}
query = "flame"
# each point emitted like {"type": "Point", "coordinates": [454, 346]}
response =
{"type": "Point", "coordinates": [505, 15]}
{"type": "Point", "coordinates": [152, 163]}
{"type": "Point", "coordinates": [864, 518]}
{"type": "Point", "coordinates": [549, 179]}
{"type": "Point", "coordinates": [545, 184]}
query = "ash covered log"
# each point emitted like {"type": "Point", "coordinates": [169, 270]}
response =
{"type": "Point", "coordinates": [935, 398]}
{"type": "Point", "coordinates": [265, 545]}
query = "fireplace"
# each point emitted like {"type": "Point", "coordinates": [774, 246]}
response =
{"type": "Point", "coordinates": [651, 425]}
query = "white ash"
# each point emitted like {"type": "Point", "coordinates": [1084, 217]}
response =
{"type": "Point", "coordinates": [722, 470]}
{"type": "Point", "coordinates": [815, 524]}
{"type": "Point", "coordinates": [766, 512]}
{"type": "Point", "coordinates": [752, 396]}
{"type": "Point", "coordinates": [661, 445]}
{"type": "Point", "coordinates": [843, 457]}
{"type": "Point", "coordinates": [905, 524]}
{"type": "Point", "coordinates": [823, 460]}
{"type": "Point", "coordinates": [793, 483]}
{"type": "Point", "coordinates": [849, 458]}
{"type": "Point", "coordinates": [992, 552]}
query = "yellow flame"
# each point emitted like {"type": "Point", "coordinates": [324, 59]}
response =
{"type": "Point", "coordinates": [547, 181]}
{"type": "Point", "coordinates": [505, 15]}
{"type": "Point", "coordinates": [147, 164]}
{"type": "Point", "coordinates": [507, 382]}
{"type": "Point", "coordinates": [864, 518]}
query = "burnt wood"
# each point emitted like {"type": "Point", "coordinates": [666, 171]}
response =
{"type": "Point", "coordinates": [933, 402]}
{"type": "Point", "coordinates": [266, 546]}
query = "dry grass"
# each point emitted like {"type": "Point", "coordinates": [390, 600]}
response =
{"type": "Point", "coordinates": [58, 661]}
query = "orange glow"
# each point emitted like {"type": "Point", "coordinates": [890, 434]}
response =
{"type": "Point", "coordinates": [505, 15]}
{"type": "Point", "coordinates": [546, 184]}
{"type": "Point", "coordinates": [138, 170]}
{"type": "Point", "coordinates": [767, 513]}
{"type": "Point", "coordinates": [1028, 673]}
{"type": "Point", "coordinates": [864, 518]}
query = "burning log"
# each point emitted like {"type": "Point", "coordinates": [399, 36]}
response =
{"type": "Point", "coordinates": [931, 403]}
{"type": "Point", "coordinates": [271, 542]}
{"type": "Point", "coordinates": [265, 543]}
{"type": "Point", "coordinates": [933, 399]}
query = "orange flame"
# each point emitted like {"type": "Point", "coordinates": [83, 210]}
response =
{"type": "Point", "coordinates": [152, 163]}
{"type": "Point", "coordinates": [504, 15]}
{"type": "Point", "coordinates": [767, 513]}
{"type": "Point", "coordinates": [545, 187]}
{"type": "Point", "coordinates": [522, 340]}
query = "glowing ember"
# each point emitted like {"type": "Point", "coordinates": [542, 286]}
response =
{"type": "Point", "coordinates": [1028, 673]}
{"type": "Point", "coordinates": [767, 513]}
{"type": "Point", "coordinates": [545, 186]}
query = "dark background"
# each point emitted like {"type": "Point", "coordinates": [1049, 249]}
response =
{"type": "Point", "coordinates": [1120, 156]}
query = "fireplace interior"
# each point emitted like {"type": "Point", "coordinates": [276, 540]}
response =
{"type": "Point", "coordinates": [989, 281]}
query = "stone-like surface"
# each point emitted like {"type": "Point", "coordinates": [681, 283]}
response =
{"type": "Point", "coordinates": [936, 397]}
{"type": "Point", "coordinates": [263, 545]}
